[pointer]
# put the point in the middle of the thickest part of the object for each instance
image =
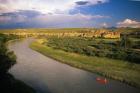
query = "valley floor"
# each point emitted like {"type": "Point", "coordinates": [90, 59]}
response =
{"type": "Point", "coordinates": [116, 69]}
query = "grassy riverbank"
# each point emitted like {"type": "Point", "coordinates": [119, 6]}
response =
{"type": "Point", "coordinates": [8, 84]}
{"type": "Point", "coordinates": [116, 69]}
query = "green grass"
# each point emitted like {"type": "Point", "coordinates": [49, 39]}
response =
{"type": "Point", "coordinates": [116, 69]}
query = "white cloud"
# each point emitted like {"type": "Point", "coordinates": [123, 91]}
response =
{"type": "Point", "coordinates": [129, 23]}
{"type": "Point", "coordinates": [104, 25]}
{"type": "Point", "coordinates": [44, 6]}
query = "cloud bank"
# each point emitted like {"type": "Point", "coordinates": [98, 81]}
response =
{"type": "Point", "coordinates": [47, 13]}
{"type": "Point", "coordinates": [32, 18]}
{"type": "Point", "coordinates": [129, 23]}
{"type": "Point", "coordinates": [45, 6]}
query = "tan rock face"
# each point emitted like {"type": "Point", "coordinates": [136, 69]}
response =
{"type": "Point", "coordinates": [111, 35]}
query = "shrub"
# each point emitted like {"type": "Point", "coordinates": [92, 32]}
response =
{"type": "Point", "coordinates": [93, 47]}
{"type": "Point", "coordinates": [7, 59]}
{"type": "Point", "coordinates": [89, 51]}
{"type": "Point", "coordinates": [134, 57]}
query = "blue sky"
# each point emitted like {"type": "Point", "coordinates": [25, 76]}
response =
{"type": "Point", "coordinates": [69, 13]}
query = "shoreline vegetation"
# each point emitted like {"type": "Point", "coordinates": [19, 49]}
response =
{"type": "Point", "coordinates": [120, 70]}
{"type": "Point", "coordinates": [8, 84]}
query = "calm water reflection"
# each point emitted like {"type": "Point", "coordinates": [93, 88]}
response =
{"type": "Point", "coordinates": [49, 76]}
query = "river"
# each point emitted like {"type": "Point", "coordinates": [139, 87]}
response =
{"type": "Point", "coordinates": [46, 75]}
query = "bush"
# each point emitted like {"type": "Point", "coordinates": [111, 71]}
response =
{"type": "Point", "coordinates": [89, 51]}
{"type": "Point", "coordinates": [93, 47]}
{"type": "Point", "coordinates": [134, 57]}
{"type": "Point", "coordinates": [7, 59]}
{"type": "Point", "coordinates": [100, 54]}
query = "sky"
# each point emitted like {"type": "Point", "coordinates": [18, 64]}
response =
{"type": "Point", "coordinates": [69, 13]}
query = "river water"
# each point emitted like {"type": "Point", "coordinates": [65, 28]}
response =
{"type": "Point", "coordinates": [46, 75]}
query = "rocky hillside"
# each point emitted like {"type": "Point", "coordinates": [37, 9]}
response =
{"type": "Point", "coordinates": [80, 32]}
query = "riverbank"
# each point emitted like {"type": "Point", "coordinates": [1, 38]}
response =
{"type": "Point", "coordinates": [9, 84]}
{"type": "Point", "coordinates": [116, 69]}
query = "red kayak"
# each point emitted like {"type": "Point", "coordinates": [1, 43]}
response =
{"type": "Point", "coordinates": [101, 80]}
